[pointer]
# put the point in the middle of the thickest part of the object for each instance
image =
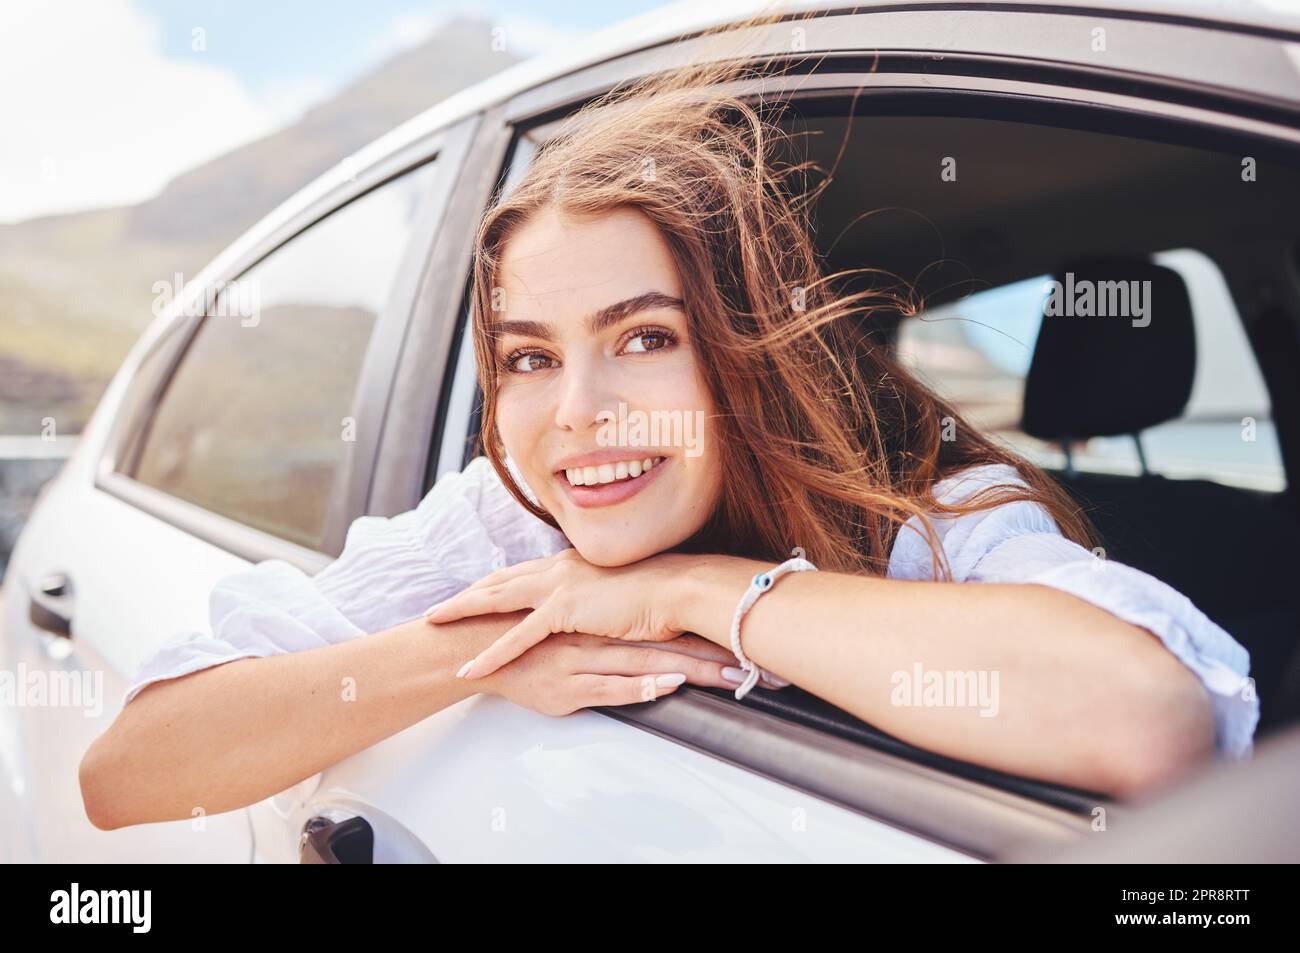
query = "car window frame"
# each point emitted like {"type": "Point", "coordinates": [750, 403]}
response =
{"type": "Point", "coordinates": [445, 148]}
{"type": "Point", "coordinates": [425, 370]}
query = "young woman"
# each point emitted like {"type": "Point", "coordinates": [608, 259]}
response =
{"type": "Point", "coordinates": [654, 265]}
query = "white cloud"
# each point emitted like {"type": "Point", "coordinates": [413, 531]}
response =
{"type": "Point", "coordinates": [287, 99]}
{"type": "Point", "coordinates": [523, 34]}
{"type": "Point", "coordinates": [410, 30]}
{"type": "Point", "coordinates": [401, 33]}
{"type": "Point", "coordinates": [528, 35]}
{"type": "Point", "coordinates": [92, 113]}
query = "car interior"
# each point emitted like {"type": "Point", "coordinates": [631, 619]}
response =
{"type": "Point", "coordinates": [1064, 193]}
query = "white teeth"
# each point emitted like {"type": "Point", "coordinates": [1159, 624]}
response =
{"type": "Point", "coordinates": [610, 472]}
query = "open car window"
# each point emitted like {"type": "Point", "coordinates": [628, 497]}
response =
{"type": "Point", "coordinates": [976, 351]}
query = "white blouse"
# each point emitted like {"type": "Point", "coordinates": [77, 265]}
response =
{"type": "Point", "coordinates": [392, 569]}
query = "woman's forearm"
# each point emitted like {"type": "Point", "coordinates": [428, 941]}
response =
{"type": "Point", "coordinates": [228, 736]}
{"type": "Point", "coordinates": [1072, 693]}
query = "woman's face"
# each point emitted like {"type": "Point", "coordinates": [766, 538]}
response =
{"type": "Point", "coordinates": [601, 402]}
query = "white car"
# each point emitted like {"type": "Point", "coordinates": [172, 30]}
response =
{"type": "Point", "coordinates": [1118, 132]}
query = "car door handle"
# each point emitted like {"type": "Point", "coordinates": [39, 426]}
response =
{"type": "Point", "coordinates": [325, 841]}
{"type": "Point", "coordinates": [50, 605]}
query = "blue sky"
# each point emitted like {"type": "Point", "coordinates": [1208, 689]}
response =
{"type": "Point", "coordinates": [119, 96]}
{"type": "Point", "coordinates": [277, 45]}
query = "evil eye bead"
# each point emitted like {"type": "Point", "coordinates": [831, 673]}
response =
{"type": "Point", "coordinates": [763, 581]}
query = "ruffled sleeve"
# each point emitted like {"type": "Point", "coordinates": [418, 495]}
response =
{"type": "Point", "coordinates": [391, 570]}
{"type": "Point", "coordinates": [1019, 542]}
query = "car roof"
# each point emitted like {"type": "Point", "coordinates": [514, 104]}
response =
{"type": "Point", "coordinates": [664, 24]}
{"type": "Point", "coordinates": [668, 23]}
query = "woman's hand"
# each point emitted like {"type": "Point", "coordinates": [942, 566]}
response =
{"type": "Point", "coordinates": [576, 670]}
{"type": "Point", "coordinates": [568, 594]}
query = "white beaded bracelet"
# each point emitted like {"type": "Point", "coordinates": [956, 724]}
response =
{"type": "Point", "coordinates": [762, 582]}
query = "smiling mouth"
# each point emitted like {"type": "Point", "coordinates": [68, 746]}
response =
{"type": "Point", "coordinates": [607, 484]}
{"type": "Point", "coordinates": [619, 472]}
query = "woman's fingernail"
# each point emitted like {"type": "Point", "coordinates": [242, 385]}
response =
{"type": "Point", "coordinates": [733, 674]}
{"type": "Point", "coordinates": [429, 612]}
{"type": "Point", "coordinates": [777, 680]}
{"type": "Point", "coordinates": [466, 667]}
{"type": "Point", "coordinates": [670, 681]}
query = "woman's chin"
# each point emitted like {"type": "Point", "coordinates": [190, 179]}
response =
{"type": "Point", "coordinates": [611, 553]}
{"type": "Point", "coordinates": [611, 557]}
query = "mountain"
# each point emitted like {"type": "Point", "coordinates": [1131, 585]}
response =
{"type": "Point", "coordinates": [76, 289]}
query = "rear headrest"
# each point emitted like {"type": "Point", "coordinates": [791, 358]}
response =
{"type": "Point", "coordinates": [1116, 352]}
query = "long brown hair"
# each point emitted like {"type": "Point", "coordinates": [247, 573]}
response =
{"type": "Point", "coordinates": [826, 441]}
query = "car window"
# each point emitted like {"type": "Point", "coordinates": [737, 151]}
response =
{"type": "Point", "coordinates": [457, 448]}
{"type": "Point", "coordinates": [256, 420]}
{"type": "Point", "coordinates": [976, 352]}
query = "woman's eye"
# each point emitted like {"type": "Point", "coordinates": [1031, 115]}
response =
{"type": "Point", "coordinates": [644, 341]}
{"type": "Point", "coordinates": [528, 363]}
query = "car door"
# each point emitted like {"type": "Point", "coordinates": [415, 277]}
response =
{"type": "Point", "coordinates": [245, 433]}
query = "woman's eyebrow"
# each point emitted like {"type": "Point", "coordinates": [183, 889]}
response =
{"type": "Point", "coordinates": [606, 317]}
{"type": "Point", "coordinates": [646, 301]}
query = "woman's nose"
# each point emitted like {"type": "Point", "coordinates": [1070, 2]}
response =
{"type": "Point", "coordinates": [584, 397]}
